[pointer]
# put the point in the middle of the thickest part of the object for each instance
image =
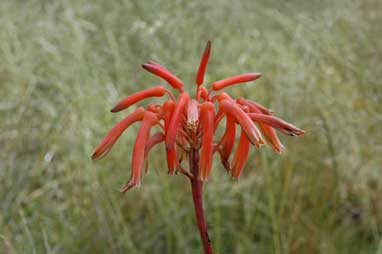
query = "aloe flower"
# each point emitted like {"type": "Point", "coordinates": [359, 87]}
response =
{"type": "Point", "coordinates": [187, 127]}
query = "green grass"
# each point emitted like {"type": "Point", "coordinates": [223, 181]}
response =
{"type": "Point", "coordinates": [63, 64]}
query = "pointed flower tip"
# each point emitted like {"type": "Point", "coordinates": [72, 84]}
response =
{"type": "Point", "coordinates": [117, 108]}
{"type": "Point", "coordinates": [260, 142]}
{"type": "Point", "coordinates": [203, 179]}
{"type": "Point", "coordinates": [300, 132]}
{"type": "Point", "coordinates": [294, 131]}
{"type": "Point", "coordinates": [274, 122]}
{"type": "Point", "coordinates": [207, 50]}
{"type": "Point", "coordinates": [257, 75]}
{"type": "Point", "coordinates": [280, 149]}
{"type": "Point", "coordinates": [128, 186]}
{"type": "Point", "coordinates": [147, 66]}
{"type": "Point", "coordinates": [95, 156]}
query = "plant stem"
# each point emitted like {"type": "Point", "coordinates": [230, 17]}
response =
{"type": "Point", "coordinates": [197, 195]}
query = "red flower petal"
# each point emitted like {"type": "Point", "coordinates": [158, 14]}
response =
{"type": "Point", "coordinates": [138, 156]}
{"type": "Point", "coordinates": [203, 64]}
{"type": "Point", "coordinates": [156, 91]}
{"type": "Point", "coordinates": [228, 140]}
{"type": "Point", "coordinates": [242, 78]}
{"type": "Point", "coordinates": [107, 143]}
{"type": "Point", "coordinates": [172, 129]}
{"type": "Point", "coordinates": [171, 155]}
{"type": "Point", "coordinates": [241, 155]}
{"type": "Point", "coordinates": [160, 71]}
{"type": "Point", "coordinates": [269, 133]}
{"type": "Point", "coordinates": [277, 123]}
{"type": "Point", "coordinates": [231, 108]}
{"type": "Point", "coordinates": [207, 113]}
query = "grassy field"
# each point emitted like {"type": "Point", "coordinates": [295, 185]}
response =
{"type": "Point", "coordinates": [63, 64]}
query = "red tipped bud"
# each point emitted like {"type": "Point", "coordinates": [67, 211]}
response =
{"type": "Point", "coordinates": [171, 155]}
{"type": "Point", "coordinates": [217, 85]}
{"type": "Point", "coordinates": [241, 155]}
{"type": "Point", "coordinates": [160, 71]}
{"type": "Point", "coordinates": [109, 140]}
{"type": "Point", "coordinates": [156, 91]}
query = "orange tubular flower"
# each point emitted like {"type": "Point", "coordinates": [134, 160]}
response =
{"type": "Point", "coordinates": [107, 143]}
{"type": "Point", "coordinates": [217, 85]}
{"type": "Point", "coordinates": [172, 159]}
{"type": "Point", "coordinates": [156, 91]}
{"type": "Point", "coordinates": [203, 64]}
{"type": "Point", "coordinates": [187, 128]}
{"type": "Point", "coordinates": [227, 141]}
{"type": "Point", "coordinates": [269, 133]}
{"type": "Point", "coordinates": [241, 155]}
{"type": "Point", "coordinates": [175, 120]}
{"type": "Point", "coordinates": [138, 158]}
{"type": "Point", "coordinates": [160, 71]}
{"type": "Point", "coordinates": [207, 112]}
{"type": "Point", "coordinates": [231, 108]}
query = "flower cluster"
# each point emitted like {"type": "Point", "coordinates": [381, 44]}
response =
{"type": "Point", "coordinates": [188, 125]}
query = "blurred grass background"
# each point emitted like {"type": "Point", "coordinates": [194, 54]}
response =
{"type": "Point", "coordinates": [63, 64]}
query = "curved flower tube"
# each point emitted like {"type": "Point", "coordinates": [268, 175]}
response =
{"type": "Point", "coordinates": [269, 133]}
{"type": "Point", "coordinates": [175, 120]}
{"type": "Point", "coordinates": [241, 155]}
{"type": "Point", "coordinates": [139, 151]}
{"type": "Point", "coordinates": [203, 64]}
{"type": "Point", "coordinates": [156, 91]}
{"type": "Point", "coordinates": [158, 70]}
{"type": "Point", "coordinates": [207, 113]}
{"type": "Point", "coordinates": [250, 129]}
{"type": "Point", "coordinates": [227, 141]}
{"type": "Point", "coordinates": [107, 143]}
{"type": "Point", "coordinates": [242, 78]}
